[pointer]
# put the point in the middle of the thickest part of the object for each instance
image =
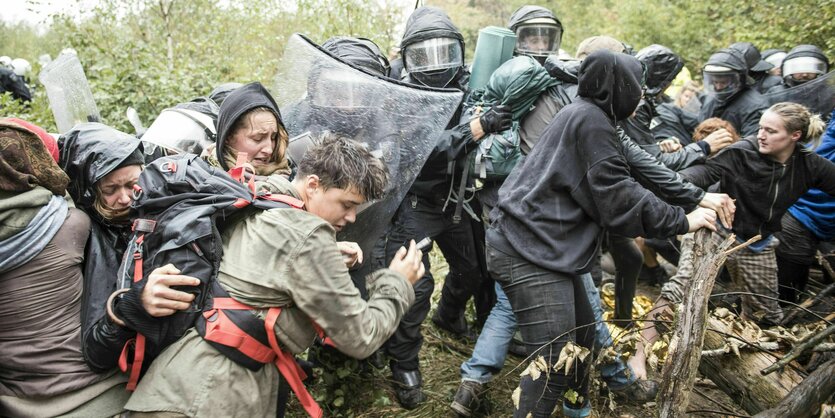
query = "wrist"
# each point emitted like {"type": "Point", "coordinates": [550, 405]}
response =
{"type": "Point", "coordinates": [476, 129]}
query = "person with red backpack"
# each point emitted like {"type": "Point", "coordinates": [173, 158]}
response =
{"type": "Point", "coordinates": [283, 267]}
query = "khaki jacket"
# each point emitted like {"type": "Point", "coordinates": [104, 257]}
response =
{"type": "Point", "coordinates": [286, 258]}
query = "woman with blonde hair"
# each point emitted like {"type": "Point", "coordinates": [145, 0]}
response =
{"type": "Point", "coordinates": [689, 91]}
{"type": "Point", "coordinates": [766, 174]}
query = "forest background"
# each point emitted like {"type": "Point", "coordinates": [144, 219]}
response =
{"type": "Point", "coordinates": [152, 54]}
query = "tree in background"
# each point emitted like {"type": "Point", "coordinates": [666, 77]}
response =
{"type": "Point", "coordinates": [152, 54]}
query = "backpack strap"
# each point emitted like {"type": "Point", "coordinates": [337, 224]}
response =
{"type": "Point", "coordinates": [238, 172]}
{"type": "Point", "coordinates": [138, 343]}
{"type": "Point", "coordinates": [288, 367]}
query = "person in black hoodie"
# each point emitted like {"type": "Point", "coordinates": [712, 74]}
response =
{"type": "Point", "coordinates": [103, 164]}
{"type": "Point", "coordinates": [433, 56]}
{"type": "Point", "coordinates": [547, 224]}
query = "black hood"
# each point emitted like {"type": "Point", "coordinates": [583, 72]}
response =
{"type": "Point", "coordinates": [90, 151]}
{"type": "Point", "coordinates": [753, 59]}
{"type": "Point", "coordinates": [662, 66]}
{"type": "Point", "coordinates": [563, 70]}
{"type": "Point", "coordinates": [427, 23]}
{"type": "Point", "coordinates": [240, 101]}
{"type": "Point", "coordinates": [612, 81]}
{"type": "Point", "coordinates": [525, 13]}
{"type": "Point", "coordinates": [361, 53]}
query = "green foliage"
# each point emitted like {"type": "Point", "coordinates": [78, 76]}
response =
{"type": "Point", "coordinates": [341, 385]}
{"type": "Point", "coordinates": [152, 54]}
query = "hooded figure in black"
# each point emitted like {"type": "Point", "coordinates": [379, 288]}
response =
{"type": "Point", "coordinates": [729, 95]}
{"type": "Point", "coordinates": [758, 68]}
{"type": "Point", "coordinates": [89, 152]}
{"type": "Point", "coordinates": [550, 215]}
{"type": "Point", "coordinates": [662, 66]}
{"type": "Point", "coordinates": [11, 82]}
{"type": "Point", "coordinates": [433, 55]}
{"type": "Point", "coordinates": [238, 104]}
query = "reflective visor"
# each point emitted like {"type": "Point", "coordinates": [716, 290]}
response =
{"type": "Point", "coordinates": [433, 54]}
{"type": "Point", "coordinates": [538, 40]}
{"type": "Point", "coordinates": [343, 89]}
{"type": "Point", "coordinates": [803, 65]}
{"type": "Point", "coordinates": [721, 85]}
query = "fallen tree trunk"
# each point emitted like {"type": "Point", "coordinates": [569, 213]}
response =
{"type": "Point", "coordinates": [740, 377]}
{"type": "Point", "coordinates": [805, 400]}
{"type": "Point", "coordinates": [685, 349]}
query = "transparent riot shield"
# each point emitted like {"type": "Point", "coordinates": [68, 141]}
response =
{"type": "Point", "coordinates": [69, 93]}
{"type": "Point", "coordinates": [400, 123]}
{"type": "Point", "coordinates": [818, 95]}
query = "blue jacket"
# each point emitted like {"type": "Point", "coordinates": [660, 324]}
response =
{"type": "Point", "coordinates": [816, 209]}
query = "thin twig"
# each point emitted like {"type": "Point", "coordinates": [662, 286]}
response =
{"type": "Point", "coordinates": [743, 245]}
{"type": "Point", "coordinates": [808, 342]}
{"type": "Point", "coordinates": [773, 298]}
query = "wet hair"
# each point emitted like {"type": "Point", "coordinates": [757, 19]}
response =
{"type": "Point", "coordinates": [797, 117]}
{"type": "Point", "coordinates": [712, 125]}
{"type": "Point", "coordinates": [343, 163]}
{"type": "Point", "coordinates": [245, 121]}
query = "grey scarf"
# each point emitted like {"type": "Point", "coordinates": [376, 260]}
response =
{"type": "Point", "coordinates": [25, 245]}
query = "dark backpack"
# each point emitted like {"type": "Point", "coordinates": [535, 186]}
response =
{"type": "Point", "coordinates": [182, 203]}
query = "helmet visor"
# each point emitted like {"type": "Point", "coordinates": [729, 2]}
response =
{"type": "Point", "coordinates": [343, 89]}
{"type": "Point", "coordinates": [538, 40]}
{"type": "Point", "coordinates": [776, 59]}
{"type": "Point", "coordinates": [722, 85]}
{"type": "Point", "coordinates": [181, 131]}
{"type": "Point", "coordinates": [803, 65]}
{"type": "Point", "coordinates": [433, 54]}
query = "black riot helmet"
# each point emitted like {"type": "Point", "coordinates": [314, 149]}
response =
{"type": "Point", "coordinates": [432, 49]}
{"type": "Point", "coordinates": [725, 74]}
{"type": "Point", "coordinates": [538, 32]}
{"type": "Point", "coordinates": [360, 52]}
{"type": "Point", "coordinates": [804, 63]}
{"type": "Point", "coordinates": [753, 59]}
{"type": "Point", "coordinates": [218, 95]}
{"type": "Point", "coordinates": [662, 66]}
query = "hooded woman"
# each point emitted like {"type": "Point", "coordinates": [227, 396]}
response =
{"type": "Point", "coordinates": [42, 239]}
{"type": "Point", "coordinates": [250, 122]}
{"type": "Point", "coordinates": [103, 165]}
{"type": "Point", "coordinates": [550, 213]}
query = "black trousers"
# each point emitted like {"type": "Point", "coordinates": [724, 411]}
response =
{"type": "Point", "coordinates": [552, 309]}
{"type": "Point", "coordinates": [416, 219]}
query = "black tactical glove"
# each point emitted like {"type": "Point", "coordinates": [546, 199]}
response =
{"type": "Point", "coordinates": [497, 119]}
